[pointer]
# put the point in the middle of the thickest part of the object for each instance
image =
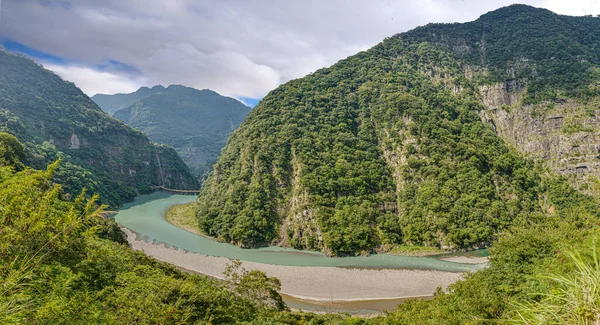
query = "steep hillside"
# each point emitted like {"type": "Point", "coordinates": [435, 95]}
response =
{"type": "Point", "coordinates": [539, 78]}
{"type": "Point", "coordinates": [195, 122]}
{"type": "Point", "coordinates": [112, 103]}
{"type": "Point", "coordinates": [54, 119]}
{"type": "Point", "coordinates": [553, 55]}
{"type": "Point", "coordinates": [388, 146]}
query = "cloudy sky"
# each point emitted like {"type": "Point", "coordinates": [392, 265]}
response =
{"type": "Point", "coordinates": [239, 48]}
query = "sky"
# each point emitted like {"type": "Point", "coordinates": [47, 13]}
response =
{"type": "Point", "coordinates": [239, 48]}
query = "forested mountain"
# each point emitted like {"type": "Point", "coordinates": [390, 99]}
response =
{"type": "Point", "coordinates": [112, 103]}
{"type": "Point", "coordinates": [195, 122]}
{"type": "Point", "coordinates": [391, 146]}
{"type": "Point", "coordinates": [403, 143]}
{"type": "Point", "coordinates": [56, 120]}
{"type": "Point", "coordinates": [553, 56]}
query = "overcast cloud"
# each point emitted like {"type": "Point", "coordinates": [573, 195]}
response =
{"type": "Point", "coordinates": [239, 48]}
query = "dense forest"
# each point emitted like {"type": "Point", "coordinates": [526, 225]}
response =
{"type": "Point", "coordinates": [55, 120]}
{"type": "Point", "coordinates": [195, 122]}
{"type": "Point", "coordinates": [387, 147]}
{"type": "Point", "coordinates": [555, 56]}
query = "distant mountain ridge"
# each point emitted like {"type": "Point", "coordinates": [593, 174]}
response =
{"type": "Point", "coordinates": [112, 103]}
{"type": "Point", "coordinates": [55, 119]}
{"type": "Point", "coordinates": [195, 122]}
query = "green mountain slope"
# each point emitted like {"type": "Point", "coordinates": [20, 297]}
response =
{"type": "Point", "coordinates": [194, 122]}
{"type": "Point", "coordinates": [388, 146]}
{"type": "Point", "coordinates": [54, 119]}
{"type": "Point", "coordinates": [112, 103]}
{"type": "Point", "coordinates": [554, 55]}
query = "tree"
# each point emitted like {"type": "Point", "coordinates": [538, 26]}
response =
{"type": "Point", "coordinates": [254, 285]}
{"type": "Point", "coordinates": [11, 151]}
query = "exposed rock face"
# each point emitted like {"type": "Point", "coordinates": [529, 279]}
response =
{"type": "Point", "coordinates": [75, 143]}
{"type": "Point", "coordinates": [300, 228]}
{"type": "Point", "coordinates": [563, 134]}
{"type": "Point", "coordinates": [509, 93]}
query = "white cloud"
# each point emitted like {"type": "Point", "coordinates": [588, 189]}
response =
{"type": "Point", "coordinates": [92, 81]}
{"type": "Point", "coordinates": [239, 48]}
{"type": "Point", "coordinates": [574, 7]}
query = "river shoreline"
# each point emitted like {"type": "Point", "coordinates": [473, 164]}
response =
{"type": "Point", "coordinates": [313, 283]}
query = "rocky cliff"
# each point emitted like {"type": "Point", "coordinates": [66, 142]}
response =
{"type": "Point", "coordinates": [563, 134]}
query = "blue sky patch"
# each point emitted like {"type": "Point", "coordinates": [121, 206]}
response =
{"type": "Point", "coordinates": [41, 56]}
{"type": "Point", "coordinates": [17, 47]}
{"type": "Point", "coordinates": [250, 102]}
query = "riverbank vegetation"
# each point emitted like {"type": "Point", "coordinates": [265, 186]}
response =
{"type": "Point", "coordinates": [415, 250]}
{"type": "Point", "coordinates": [184, 217]}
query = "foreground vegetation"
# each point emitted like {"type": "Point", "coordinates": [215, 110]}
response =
{"type": "Point", "coordinates": [62, 263]}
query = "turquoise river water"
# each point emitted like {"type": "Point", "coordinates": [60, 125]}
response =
{"type": "Point", "coordinates": [145, 216]}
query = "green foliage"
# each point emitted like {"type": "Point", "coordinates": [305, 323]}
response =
{"type": "Point", "coordinates": [574, 127]}
{"type": "Point", "coordinates": [383, 127]}
{"type": "Point", "coordinates": [519, 256]}
{"type": "Point", "coordinates": [571, 298]}
{"type": "Point", "coordinates": [254, 286]}
{"type": "Point", "coordinates": [415, 250]}
{"type": "Point", "coordinates": [554, 55]}
{"type": "Point", "coordinates": [55, 120]}
{"type": "Point", "coordinates": [55, 269]}
{"type": "Point", "coordinates": [12, 152]}
{"type": "Point", "coordinates": [194, 122]}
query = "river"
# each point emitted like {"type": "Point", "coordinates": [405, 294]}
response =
{"type": "Point", "coordinates": [145, 216]}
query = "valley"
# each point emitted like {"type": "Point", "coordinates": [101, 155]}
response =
{"type": "Point", "coordinates": [196, 123]}
{"type": "Point", "coordinates": [449, 174]}
{"type": "Point", "coordinates": [310, 277]}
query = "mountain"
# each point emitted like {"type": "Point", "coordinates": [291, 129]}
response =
{"type": "Point", "coordinates": [195, 122]}
{"type": "Point", "coordinates": [55, 119]}
{"type": "Point", "coordinates": [396, 146]}
{"type": "Point", "coordinates": [413, 119]}
{"type": "Point", "coordinates": [112, 103]}
{"type": "Point", "coordinates": [538, 76]}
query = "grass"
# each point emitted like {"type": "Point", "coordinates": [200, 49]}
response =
{"type": "Point", "coordinates": [573, 298]}
{"type": "Point", "coordinates": [184, 217]}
